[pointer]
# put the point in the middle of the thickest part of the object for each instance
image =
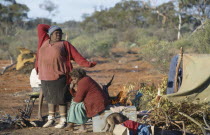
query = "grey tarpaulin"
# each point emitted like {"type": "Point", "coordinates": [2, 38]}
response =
{"type": "Point", "coordinates": [171, 74]}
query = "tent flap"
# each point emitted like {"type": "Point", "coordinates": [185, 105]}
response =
{"type": "Point", "coordinates": [195, 81]}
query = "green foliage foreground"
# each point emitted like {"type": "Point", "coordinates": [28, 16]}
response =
{"type": "Point", "coordinates": [186, 116]}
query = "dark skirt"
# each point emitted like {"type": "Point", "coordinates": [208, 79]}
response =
{"type": "Point", "coordinates": [56, 91]}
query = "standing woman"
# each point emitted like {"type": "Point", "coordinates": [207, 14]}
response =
{"type": "Point", "coordinates": [53, 65]}
{"type": "Point", "coordinates": [89, 99]}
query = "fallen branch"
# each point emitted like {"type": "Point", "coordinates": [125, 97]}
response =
{"type": "Point", "coordinates": [176, 125]}
{"type": "Point", "coordinates": [193, 120]}
{"type": "Point", "coordinates": [7, 67]}
{"type": "Point", "coordinates": [183, 126]}
{"type": "Point", "coordinates": [204, 119]}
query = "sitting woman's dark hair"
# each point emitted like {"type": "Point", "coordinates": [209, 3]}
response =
{"type": "Point", "coordinates": [78, 73]}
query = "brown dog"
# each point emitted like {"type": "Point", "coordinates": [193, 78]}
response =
{"type": "Point", "coordinates": [112, 119]}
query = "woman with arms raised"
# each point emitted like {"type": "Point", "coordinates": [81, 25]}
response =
{"type": "Point", "coordinates": [53, 65]}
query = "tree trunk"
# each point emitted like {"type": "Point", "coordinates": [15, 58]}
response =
{"type": "Point", "coordinates": [179, 27]}
{"type": "Point", "coordinates": [11, 59]}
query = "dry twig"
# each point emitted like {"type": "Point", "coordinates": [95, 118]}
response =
{"type": "Point", "coordinates": [193, 120]}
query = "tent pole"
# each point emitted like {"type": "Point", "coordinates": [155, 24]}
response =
{"type": "Point", "coordinates": [177, 70]}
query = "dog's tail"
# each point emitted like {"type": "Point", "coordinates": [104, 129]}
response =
{"type": "Point", "coordinates": [105, 127]}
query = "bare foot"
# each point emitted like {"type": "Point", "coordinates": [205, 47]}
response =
{"type": "Point", "coordinates": [70, 127]}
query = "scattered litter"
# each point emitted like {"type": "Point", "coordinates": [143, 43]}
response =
{"type": "Point", "coordinates": [136, 67]}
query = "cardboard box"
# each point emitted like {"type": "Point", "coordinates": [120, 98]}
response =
{"type": "Point", "coordinates": [120, 130]}
{"type": "Point", "coordinates": [99, 120]}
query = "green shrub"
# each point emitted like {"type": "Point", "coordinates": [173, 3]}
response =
{"type": "Point", "coordinates": [125, 44]}
{"type": "Point", "coordinates": [22, 38]}
{"type": "Point", "coordinates": [137, 36]}
{"type": "Point", "coordinates": [25, 38]}
{"type": "Point", "coordinates": [168, 34]}
{"type": "Point", "coordinates": [184, 42]}
{"type": "Point", "coordinates": [98, 44]}
{"type": "Point", "coordinates": [4, 54]}
{"type": "Point", "coordinates": [197, 42]}
{"type": "Point", "coordinates": [201, 39]}
{"type": "Point", "coordinates": [159, 53]}
{"type": "Point", "coordinates": [143, 36]}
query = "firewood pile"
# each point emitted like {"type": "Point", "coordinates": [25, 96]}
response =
{"type": "Point", "coordinates": [21, 119]}
{"type": "Point", "coordinates": [16, 122]}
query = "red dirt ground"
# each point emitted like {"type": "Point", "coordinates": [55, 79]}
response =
{"type": "Point", "coordinates": [127, 66]}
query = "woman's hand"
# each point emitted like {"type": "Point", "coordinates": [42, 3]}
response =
{"type": "Point", "coordinates": [92, 64]}
{"type": "Point", "coordinates": [72, 85]}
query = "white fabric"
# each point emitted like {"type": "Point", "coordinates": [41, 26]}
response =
{"type": "Point", "coordinates": [117, 108]}
{"type": "Point", "coordinates": [120, 130]}
{"type": "Point", "coordinates": [34, 79]}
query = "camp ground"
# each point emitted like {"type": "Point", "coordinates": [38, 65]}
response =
{"type": "Point", "coordinates": [144, 83]}
{"type": "Point", "coordinates": [21, 97]}
{"type": "Point", "coordinates": [158, 103]}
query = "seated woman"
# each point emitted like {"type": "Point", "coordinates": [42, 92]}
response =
{"type": "Point", "coordinates": [89, 99]}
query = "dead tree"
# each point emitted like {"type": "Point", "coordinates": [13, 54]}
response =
{"type": "Point", "coordinates": [105, 87]}
{"type": "Point", "coordinates": [7, 67]}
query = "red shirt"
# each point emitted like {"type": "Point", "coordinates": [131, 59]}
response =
{"type": "Point", "coordinates": [131, 125]}
{"type": "Point", "coordinates": [52, 60]}
{"type": "Point", "coordinates": [94, 98]}
{"type": "Point", "coordinates": [72, 53]}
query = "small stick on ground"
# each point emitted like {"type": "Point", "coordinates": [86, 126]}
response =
{"type": "Point", "coordinates": [193, 120]}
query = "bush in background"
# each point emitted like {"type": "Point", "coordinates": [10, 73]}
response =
{"type": "Point", "coordinates": [159, 53]}
{"type": "Point", "coordinates": [22, 38]}
{"type": "Point", "coordinates": [150, 40]}
{"type": "Point", "coordinates": [98, 44]}
{"type": "Point", "coordinates": [201, 39]}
